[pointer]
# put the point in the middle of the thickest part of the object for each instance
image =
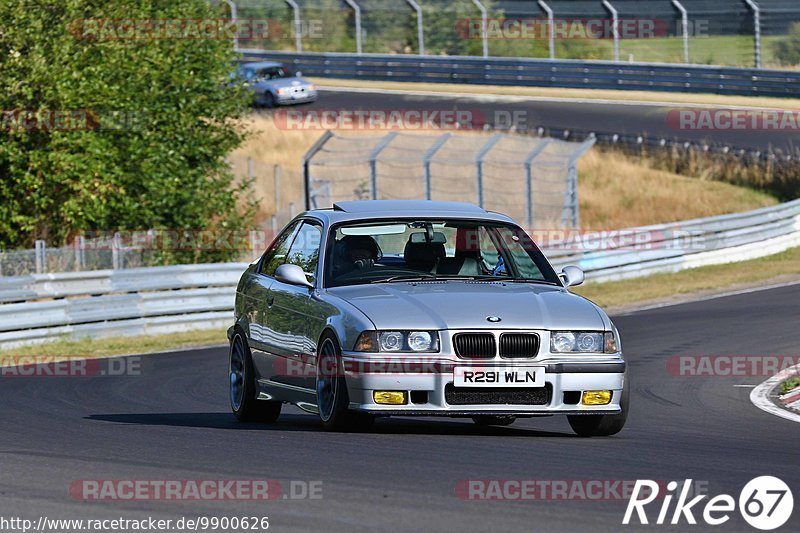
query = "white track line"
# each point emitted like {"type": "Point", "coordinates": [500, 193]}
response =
{"type": "Point", "coordinates": [494, 98]}
{"type": "Point", "coordinates": [760, 395]}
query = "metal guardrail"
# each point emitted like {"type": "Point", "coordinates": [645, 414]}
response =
{"type": "Point", "coordinates": [541, 72]}
{"type": "Point", "coordinates": [153, 300]}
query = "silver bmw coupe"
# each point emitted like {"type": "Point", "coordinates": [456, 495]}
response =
{"type": "Point", "coordinates": [420, 308]}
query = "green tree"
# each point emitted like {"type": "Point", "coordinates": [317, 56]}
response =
{"type": "Point", "coordinates": [162, 114]}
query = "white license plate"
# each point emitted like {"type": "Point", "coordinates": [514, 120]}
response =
{"type": "Point", "coordinates": [498, 376]}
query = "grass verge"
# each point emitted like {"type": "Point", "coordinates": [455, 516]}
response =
{"type": "Point", "coordinates": [789, 385]}
{"type": "Point", "coordinates": [663, 288]}
{"type": "Point", "coordinates": [93, 348]}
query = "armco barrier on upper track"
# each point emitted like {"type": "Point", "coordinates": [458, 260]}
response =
{"type": "Point", "coordinates": [46, 307]}
{"type": "Point", "coordinates": [541, 73]}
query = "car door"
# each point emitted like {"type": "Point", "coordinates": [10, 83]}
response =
{"type": "Point", "coordinates": [259, 298]}
{"type": "Point", "coordinates": [297, 317]}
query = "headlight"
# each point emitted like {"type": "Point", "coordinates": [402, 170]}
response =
{"type": "Point", "coordinates": [420, 341]}
{"type": "Point", "coordinates": [390, 341]}
{"type": "Point", "coordinates": [283, 91]}
{"type": "Point", "coordinates": [582, 342]}
{"type": "Point", "coordinates": [398, 341]}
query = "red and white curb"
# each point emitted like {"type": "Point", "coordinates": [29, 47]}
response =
{"type": "Point", "coordinates": [762, 396]}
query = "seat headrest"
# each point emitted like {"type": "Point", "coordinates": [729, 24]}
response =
{"type": "Point", "coordinates": [423, 255]}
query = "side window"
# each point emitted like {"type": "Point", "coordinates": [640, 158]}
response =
{"type": "Point", "coordinates": [277, 253]}
{"type": "Point", "coordinates": [305, 248]}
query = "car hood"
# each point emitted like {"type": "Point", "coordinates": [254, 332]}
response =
{"type": "Point", "coordinates": [281, 83]}
{"type": "Point", "coordinates": [464, 305]}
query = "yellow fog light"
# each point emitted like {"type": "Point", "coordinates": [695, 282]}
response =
{"type": "Point", "coordinates": [596, 397]}
{"type": "Point", "coordinates": [389, 397]}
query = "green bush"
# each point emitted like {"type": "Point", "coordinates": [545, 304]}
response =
{"type": "Point", "coordinates": [787, 50]}
{"type": "Point", "coordinates": [162, 120]}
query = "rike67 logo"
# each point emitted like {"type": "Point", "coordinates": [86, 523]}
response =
{"type": "Point", "coordinates": [765, 503]}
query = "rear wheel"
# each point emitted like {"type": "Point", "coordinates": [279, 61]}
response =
{"type": "Point", "coordinates": [603, 425]}
{"type": "Point", "coordinates": [494, 420]}
{"type": "Point", "coordinates": [244, 405]}
{"type": "Point", "coordinates": [332, 397]}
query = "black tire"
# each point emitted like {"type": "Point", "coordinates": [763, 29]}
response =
{"type": "Point", "coordinates": [494, 420]}
{"type": "Point", "coordinates": [268, 100]}
{"type": "Point", "coordinates": [603, 425]}
{"type": "Point", "coordinates": [332, 397]}
{"type": "Point", "coordinates": [244, 404]}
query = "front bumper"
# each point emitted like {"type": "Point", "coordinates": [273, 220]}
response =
{"type": "Point", "coordinates": [296, 98]}
{"type": "Point", "coordinates": [427, 380]}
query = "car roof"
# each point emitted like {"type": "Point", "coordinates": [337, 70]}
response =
{"type": "Point", "coordinates": [386, 209]}
{"type": "Point", "coordinates": [262, 64]}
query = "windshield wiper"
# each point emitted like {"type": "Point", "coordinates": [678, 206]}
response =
{"type": "Point", "coordinates": [405, 277]}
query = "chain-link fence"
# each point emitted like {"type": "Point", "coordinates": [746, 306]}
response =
{"type": "Point", "coordinates": [716, 32]}
{"type": "Point", "coordinates": [532, 179]}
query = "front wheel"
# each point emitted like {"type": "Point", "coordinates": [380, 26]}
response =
{"type": "Point", "coordinates": [603, 425]}
{"type": "Point", "coordinates": [332, 397]}
{"type": "Point", "coordinates": [244, 405]}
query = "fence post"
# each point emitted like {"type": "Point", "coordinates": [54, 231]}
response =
{"type": "Point", "coordinates": [479, 164]}
{"type": "Point", "coordinates": [551, 31]}
{"type": "Point", "coordinates": [529, 180]}
{"type": "Point", "coordinates": [234, 20]}
{"type": "Point", "coordinates": [253, 244]}
{"type": "Point", "coordinates": [373, 159]}
{"type": "Point", "coordinates": [420, 29]}
{"type": "Point", "coordinates": [273, 222]}
{"type": "Point", "coordinates": [684, 28]}
{"type": "Point", "coordinates": [426, 161]}
{"type": "Point", "coordinates": [357, 11]}
{"type": "Point", "coordinates": [756, 30]}
{"type": "Point", "coordinates": [80, 247]}
{"type": "Point", "coordinates": [277, 176]}
{"type": "Point", "coordinates": [614, 27]}
{"type": "Point", "coordinates": [298, 27]}
{"type": "Point", "coordinates": [484, 26]}
{"type": "Point", "coordinates": [40, 254]}
{"type": "Point", "coordinates": [306, 161]}
{"type": "Point", "coordinates": [291, 209]}
{"type": "Point", "coordinates": [116, 252]}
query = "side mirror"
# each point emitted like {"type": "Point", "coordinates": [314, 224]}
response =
{"type": "Point", "coordinates": [572, 275]}
{"type": "Point", "coordinates": [293, 275]}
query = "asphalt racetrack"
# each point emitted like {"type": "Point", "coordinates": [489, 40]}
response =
{"type": "Point", "coordinates": [173, 422]}
{"type": "Point", "coordinates": [611, 117]}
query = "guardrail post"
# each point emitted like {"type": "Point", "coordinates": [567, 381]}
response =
{"type": "Point", "coordinates": [357, 11]}
{"type": "Point", "coordinates": [116, 252]}
{"type": "Point", "coordinates": [420, 30]}
{"type": "Point", "coordinates": [551, 31]}
{"type": "Point", "coordinates": [234, 18]}
{"type": "Point", "coordinates": [756, 30]}
{"type": "Point", "coordinates": [80, 252]}
{"type": "Point", "coordinates": [684, 28]}
{"type": "Point", "coordinates": [40, 256]}
{"type": "Point", "coordinates": [484, 26]}
{"type": "Point", "coordinates": [298, 27]}
{"type": "Point", "coordinates": [485, 149]}
{"type": "Point", "coordinates": [614, 27]}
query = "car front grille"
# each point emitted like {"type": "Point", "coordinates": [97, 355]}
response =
{"type": "Point", "coordinates": [475, 345]}
{"type": "Point", "coordinates": [497, 396]}
{"type": "Point", "coordinates": [519, 345]}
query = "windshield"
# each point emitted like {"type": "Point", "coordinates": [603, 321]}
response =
{"type": "Point", "coordinates": [384, 252]}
